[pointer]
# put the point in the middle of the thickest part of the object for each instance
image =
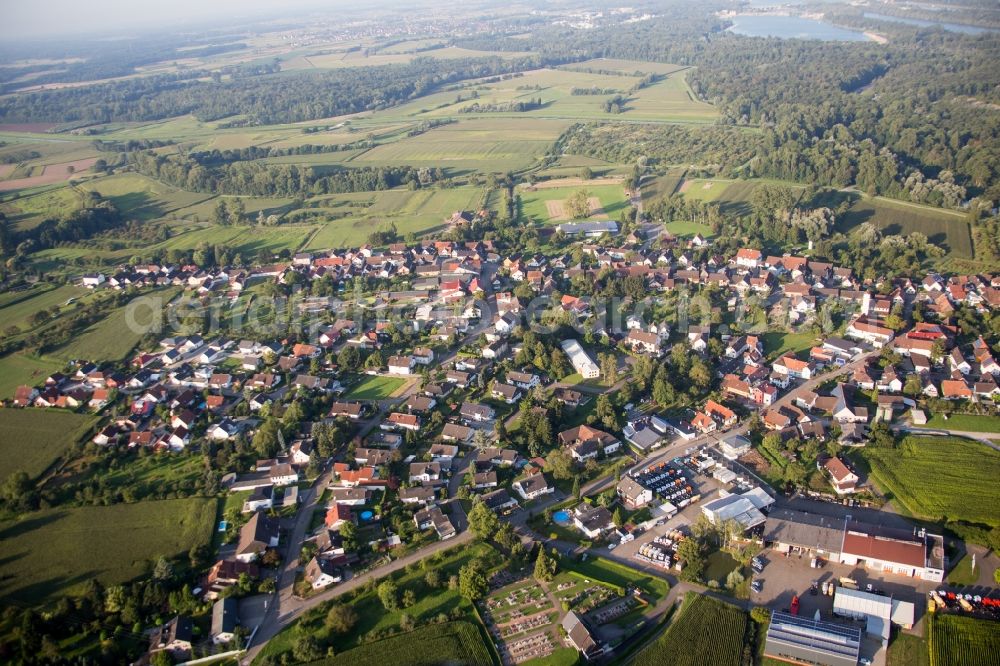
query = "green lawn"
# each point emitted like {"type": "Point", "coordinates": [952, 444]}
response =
{"type": "Point", "coordinates": [688, 229]}
{"type": "Point", "coordinates": [32, 439]}
{"type": "Point", "coordinates": [733, 196]}
{"type": "Point", "coordinates": [908, 650]}
{"type": "Point", "coordinates": [777, 343]}
{"type": "Point", "coordinates": [963, 574]}
{"type": "Point", "coordinates": [939, 477]}
{"type": "Point", "coordinates": [56, 551]}
{"type": "Point", "coordinates": [114, 336]}
{"type": "Point", "coordinates": [966, 422]}
{"type": "Point", "coordinates": [21, 369]}
{"type": "Point", "coordinates": [374, 388]}
{"type": "Point", "coordinates": [608, 571]}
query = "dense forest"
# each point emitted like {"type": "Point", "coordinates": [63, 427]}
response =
{"type": "Point", "coordinates": [266, 98]}
{"type": "Point", "coordinates": [836, 113]}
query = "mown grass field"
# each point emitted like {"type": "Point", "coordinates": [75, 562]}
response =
{"type": "Point", "coordinates": [622, 66]}
{"type": "Point", "coordinates": [411, 211]}
{"type": "Point", "coordinates": [667, 100]}
{"type": "Point", "coordinates": [662, 186]}
{"type": "Point", "coordinates": [39, 298]}
{"type": "Point", "coordinates": [374, 388]}
{"type": "Point", "coordinates": [939, 477]}
{"type": "Point", "coordinates": [56, 551]}
{"type": "Point", "coordinates": [32, 439]}
{"type": "Point", "coordinates": [115, 335]}
{"type": "Point", "coordinates": [689, 229]}
{"type": "Point", "coordinates": [477, 144]}
{"type": "Point", "coordinates": [143, 198]}
{"type": "Point", "coordinates": [18, 369]}
{"type": "Point", "coordinates": [534, 206]}
{"type": "Point", "coordinates": [963, 641]}
{"type": "Point", "coordinates": [944, 228]}
{"type": "Point", "coordinates": [450, 643]}
{"type": "Point", "coordinates": [733, 196]}
{"type": "Point", "coordinates": [706, 631]}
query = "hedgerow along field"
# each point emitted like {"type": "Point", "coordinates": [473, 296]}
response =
{"type": "Point", "coordinates": [707, 631]}
{"type": "Point", "coordinates": [939, 477]}
{"type": "Point", "coordinates": [55, 551]}
{"type": "Point", "coordinates": [963, 641]}
{"type": "Point", "coordinates": [32, 439]}
{"type": "Point", "coordinates": [457, 642]}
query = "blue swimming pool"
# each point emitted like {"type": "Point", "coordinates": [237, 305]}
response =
{"type": "Point", "coordinates": [561, 517]}
{"type": "Point", "coordinates": [223, 525]}
{"type": "Point", "coordinates": [366, 515]}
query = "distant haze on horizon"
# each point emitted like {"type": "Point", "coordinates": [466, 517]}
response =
{"type": "Point", "coordinates": [41, 19]}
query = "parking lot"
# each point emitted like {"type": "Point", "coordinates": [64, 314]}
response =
{"type": "Point", "coordinates": [787, 576]}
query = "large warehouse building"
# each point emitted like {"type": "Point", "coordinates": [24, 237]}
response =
{"type": "Point", "coordinates": [878, 612]}
{"type": "Point", "coordinates": [915, 553]}
{"type": "Point", "coordinates": [801, 640]}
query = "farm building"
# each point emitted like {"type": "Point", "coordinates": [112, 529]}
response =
{"type": "Point", "coordinates": [879, 612]}
{"type": "Point", "coordinates": [913, 554]}
{"type": "Point", "coordinates": [801, 640]}
{"type": "Point", "coordinates": [744, 509]}
{"type": "Point", "coordinates": [790, 530]}
{"type": "Point", "coordinates": [916, 554]}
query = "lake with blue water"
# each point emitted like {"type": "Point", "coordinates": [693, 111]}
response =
{"type": "Point", "coordinates": [921, 23]}
{"type": "Point", "coordinates": [792, 27]}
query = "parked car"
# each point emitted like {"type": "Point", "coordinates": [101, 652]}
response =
{"type": "Point", "coordinates": [757, 585]}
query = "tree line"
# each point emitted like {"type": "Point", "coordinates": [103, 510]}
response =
{"type": "Point", "coordinates": [283, 180]}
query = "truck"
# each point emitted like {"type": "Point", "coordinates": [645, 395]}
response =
{"type": "Point", "coordinates": [849, 583]}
